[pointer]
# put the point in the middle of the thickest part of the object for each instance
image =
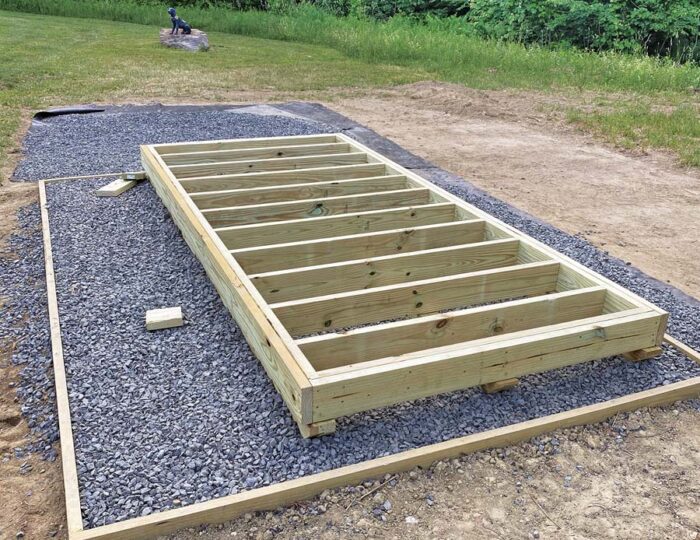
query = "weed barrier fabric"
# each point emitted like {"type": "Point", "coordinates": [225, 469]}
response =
{"type": "Point", "coordinates": [169, 418]}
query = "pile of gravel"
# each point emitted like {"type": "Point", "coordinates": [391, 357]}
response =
{"type": "Point", "coordinates": [183, 415]}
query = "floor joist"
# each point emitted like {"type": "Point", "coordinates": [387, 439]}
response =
{"type": "Point", "coordinates": [321, 246]}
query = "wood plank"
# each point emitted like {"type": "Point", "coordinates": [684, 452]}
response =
{"type": "Point", "coordinates": [346, 390]}
{"type": "Point", "coordinates": [234, 144]}
{"type": "Point", "coordinates": [268, 498]}
{"type": "Point", "coordinates": [682, 348]}
{"type": "Point", "coordinates": [280, 178]}
{"type": "Point", "coordinates": [159, 319]}
{"type": "Point", "coordinates": [344, 248]}
{"type": "Point", "coordinates": [241, 154]}
{"type": "Point", "coordinates": [115, 188]}
{"type": "Point", "coordinates": [74, 516]}
{"type": "Point", "coordinates": [313, 190]}
{"type": "Point", "coordinates": [295, 230]}
{"type": "Point", "coordinates": [293, 284]}
{"type": "Point", "coordinates": [263, 332]}
{"type": "Point", "coordinates": [333, 350]}
{"type": "Point", "coordinates": [314, 208]}
{"type": "Point", "coordinates": [263, 165]}
{"type": "Point", "coordinates": [416, 298]}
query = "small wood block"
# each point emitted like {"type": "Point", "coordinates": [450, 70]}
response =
{"type": "Point", "coordinates": [141, 175]}
{"type": "Point", "coordinates": [643, 354]}
{"type": "Point", "coordinates": [115, 188]}
{"type": "Point", "coordinates": [499, 386]}
{"type": "Point", "coordinates": [319, 428]}
{"type": "Point", "coordinates": [157, 319]}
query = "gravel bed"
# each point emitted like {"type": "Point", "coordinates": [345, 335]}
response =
{"type": "Point", "coordinates": [109, 142]}
{"type": "Point", "coordinates": [24, 330]}
{"type": "Point", "coordinates": [183, 415]}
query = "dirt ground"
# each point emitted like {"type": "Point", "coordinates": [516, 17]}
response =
{"type": "Point", "coordinates": [602, 481]}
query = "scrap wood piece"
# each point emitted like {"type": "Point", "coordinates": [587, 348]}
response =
{"type": "Point", "coordinates": [158, 319]}
{"type": "Point", "coordinates": [499, 386]}
{"type": "Point", "coordinates": [643, 354]}
{"type": "Point", "coordinates": [115, 188]}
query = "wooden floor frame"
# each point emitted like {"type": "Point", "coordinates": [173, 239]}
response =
{"type": "Point", "coordinates": [226, 508]}
{"type": "Point", "coordinates": [286, 228]}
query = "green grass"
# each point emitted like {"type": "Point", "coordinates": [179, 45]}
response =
{"type": "Point", "coordinates": [60, 60]}
{"type": "Point", "coordinates": [49, 61]}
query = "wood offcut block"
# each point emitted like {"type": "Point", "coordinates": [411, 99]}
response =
{"type": "Point", "coordinates": [115, 188]}
{"type": "Point", "coordinates": [140, 175]}
{"type": "Point", "coordinates": [643, 354]}
{"type": "Point", "coordinates": [499, 386]}
{"type": "Point", "coordinates": [157, 319]}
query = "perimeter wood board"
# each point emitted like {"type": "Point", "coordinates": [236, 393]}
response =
{"type": "Point", "coordinates": [226, 508]}
{"type": "Point", "coordinates": [302, 235]}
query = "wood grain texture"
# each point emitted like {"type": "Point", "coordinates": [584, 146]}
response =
{"type": "Point", "coordinates": [70, 473]}
{"type": "Point", "coordinates": [243, 154]}
{"type": "Point", "coordinates": [295, 192]}
{"type": "Point", "coordinates": [264, 165]}
{"type": "Point", "coordinates": [378, 271]}
{"type": "Point", "coordinates": [345, 248]}
{"type": "Point", "coordinates": [235, 144]}
{"type": "Point", "coordinates": [416, 298]}
{"type": "Point", "coordinates": [296, 230]}
{"type": "Point", "coordinates": [418, 374]}
{"type": "Point", "coordinates": [328, 351]}
{"type": "Point", "coordinates": [313, 208]}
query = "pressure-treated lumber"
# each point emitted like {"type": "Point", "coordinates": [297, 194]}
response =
{"type": "Point", "coordinates": [296, 230]}
{"type": "Point", "coordinates": [282, 178]}
{"type": "Point", "coordinates": [356, 388]}
{"type": "Point", "coordinates": [342, 248]}
{"type": "Point", "coordinates": [312, 190]}
{"type": "Point", "coordinates": [264, 165]}
{"type": "Point", "coordinates": [643, 354]}
{"type": "Point", "coordinates": [499, 386]}
{"type": "Point", "coordinates": [70, 472]}
{"type": "Point", "coordinates": [236, 144]}
{"type": "Point", "coordinates": [162, 318]}
{"type": "Point", "coordinates": [115, 188]}
{"type": "Point", "coordinates": [368, 254]}
{"type": "Point", "coordinates": [332, 350]}
{"type": "Point", "coordinates": [416, 298]}
{"type": "Point", "coordinates": [324, 279]}
{"type": "Point", "coordinates": [243, 154]}
{"type": "Point", "coordinates": [313, 208]}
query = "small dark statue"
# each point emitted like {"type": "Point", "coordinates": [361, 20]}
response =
{"type": "Point", "coordinates": [178, 23]}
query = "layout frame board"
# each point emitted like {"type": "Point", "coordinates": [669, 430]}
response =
{"type": "Point", "coordinates": [359, 284]}
{"type": "Point", "coordinates": [270, 497]}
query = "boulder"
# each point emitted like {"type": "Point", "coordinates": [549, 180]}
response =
{"type": "Point", "coordinates": [196, 41]}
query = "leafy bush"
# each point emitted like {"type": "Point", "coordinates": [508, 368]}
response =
{"type": "Point", "coordinates": [656, 27]}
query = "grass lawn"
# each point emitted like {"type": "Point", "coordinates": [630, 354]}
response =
{"type": "Point", "coordinates": [49, 61]}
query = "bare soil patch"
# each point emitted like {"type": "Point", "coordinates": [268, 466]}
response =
{"type": "Point", "coordinates": [517, 146]}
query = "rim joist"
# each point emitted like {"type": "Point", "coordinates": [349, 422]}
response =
{"type": "Point", "coordinates": [360, 284]}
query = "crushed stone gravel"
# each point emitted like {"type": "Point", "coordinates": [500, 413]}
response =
{"type": "Point", "coordinates": [178, 416]}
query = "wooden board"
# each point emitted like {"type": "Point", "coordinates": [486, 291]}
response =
{"type": "Point", "coordinates": [322, 235]}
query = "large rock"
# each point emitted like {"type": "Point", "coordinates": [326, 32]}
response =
{"type": "Point", "coordinates": [196, 41]}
